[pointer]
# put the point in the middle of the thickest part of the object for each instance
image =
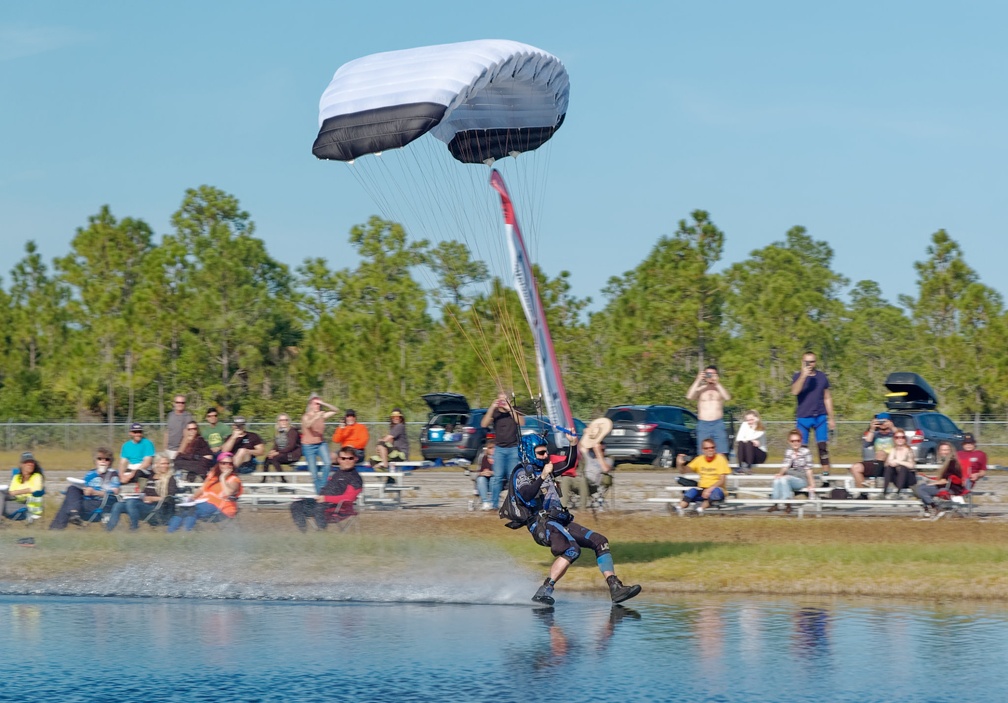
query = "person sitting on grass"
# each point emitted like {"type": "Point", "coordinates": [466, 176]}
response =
{"type": "Point", "coordinates": [795, 473]}
{"type": "Point", "coordinates": [23, 498]}
{"type": "Point", "coordinates": [335, 501]}
{"type": "Point", "coordinates": [98, 490]}
{"type": "Point", "coordinates": [158, 494]}
{"type": "Point", "coordinates": [395, 445]}
{"type": "Point", "coordinates": [950, 478]}
{"type": "Point", "coordinates": [215, 500]}
{"type": "Point", "coordinates": [713, 469]}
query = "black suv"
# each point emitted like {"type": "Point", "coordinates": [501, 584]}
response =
{"type": "Point", "coordinates": [652, 434]}
{"type": "Point", "coordinates": [452, 430]}
{"type": "Point", "coordinates": [911, 404]}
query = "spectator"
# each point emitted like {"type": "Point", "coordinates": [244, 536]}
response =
{"type": "Point", "coordinates": [972, 460]}
{"type": "Point", "coordinates": [394, 445]}
{"type": "Point", "coordinates": [26, 491]}
{"type": "Point", "coordinates": [194, 456]}
{"type": "Point", "coordinates": [484, 475]}
{"type": "Point", "coordinates": [158, 494]}
{"type": "Point", "coordinates": [572, 478]}
{"type": "Point", "coordinates": [506, 430]}
{"type": "Point", "coordinates": [795, 473]}
{"type": "Point", "coordinates": [815, 407]}
{"type": "Point", "coordinates": [352, 434]}
{"type": "Point", "coordinates": [313, 444]}
{"type": "Point", "coordinates": [879, 439]}
{"type": "Point", "coordinates": [286, 447]}
{"type": "Point", "coordinates": [713, 469]}
{"type": "Point", "coordinates": [174, 432]}
{"type": "Point", "coordinates": [750, 442]}
{"type": "Point", "coordinates": [215, 500]}
{"type": "Point", "coordinates": [899, 466]}
{"type": "Point", "coordinates": [245, 446]}
{"type": "Point", "coordinates": [95, 493]}
{"type": "Point", "coordinates": [950, 478]}
{"type": "Point", "coordinates": [711, 397]}
{"type": "Point", "coordinates": [214, 432]}
{"type": "Point", "coordinates": [336, 499]}
{"type": "Point", "coordinates": [597, 468]}
{"type": "Point", "coordinates": [136, 456]}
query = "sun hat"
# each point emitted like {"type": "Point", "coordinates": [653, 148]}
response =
{"type": "Point", "coordinates": [396, 413]}
{"type": "Point", "coordinates": [595, 432]}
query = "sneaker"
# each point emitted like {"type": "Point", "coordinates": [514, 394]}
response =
{"type": "Point", "coordinates": [74, 518]}
{"type": "Point", "coordinates": [472, 505]}
{"type": "Point", "coordinates": [618, 592]}
{"type": "Point", "coordinates": [544, 595]}
{"type": "Point", "coordinates": [699, 512]}
{"type": "Point", "coordinates": [679, 511]}
{"type": "Point", "coordinates": [487, 506]}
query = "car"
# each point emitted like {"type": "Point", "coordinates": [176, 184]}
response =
{"type": "Point", "coordinates": [652, 434]}
{"type": "Point", "coordinates": [452, 430]}
{"type": "Point", "coordinates": [911, 404]}
{"type": "Point", "coordinates": [532, 424]}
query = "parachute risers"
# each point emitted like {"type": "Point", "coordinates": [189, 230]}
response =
{"type": "Point", "coordinates": [554, 393]}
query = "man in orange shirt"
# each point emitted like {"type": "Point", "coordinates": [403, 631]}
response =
{"type": "Point", "coordinates": [351, 434]}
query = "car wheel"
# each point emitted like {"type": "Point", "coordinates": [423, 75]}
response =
{"type": "Point", "coordinates": [665, 458]}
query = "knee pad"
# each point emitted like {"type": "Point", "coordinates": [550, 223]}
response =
{"type": "Point", "coordinates": [823, 452]}
{"type": "Point", "coordinates": [572, 553]}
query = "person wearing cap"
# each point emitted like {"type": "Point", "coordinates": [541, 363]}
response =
{"type": "Point", "coordinates": [244, 445]}
{"type": "Point", "coordinates": [351, 434]}
{"type": "Point", "coordinates": [177, 420]}
{"type": "Point", "coordinates": [136, 456]}
{"type": "Point", "coordinates": [394, 445]}
{"type": "Point", "coordinates": [215, 500]}
{"type": "Point", "coordinates": [972, 460]}
{"type": "Point", "coordinates": [877, 441]}
{"type": "Point", "coordinates": [313, 442]}
{"type": "Point", "coordinates": [26, 490]}
{"type": "Point", "coordinates": [286, 447]}
{"type": "Point", "coordinates": [98, 490]}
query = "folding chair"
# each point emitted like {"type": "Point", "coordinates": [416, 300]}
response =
{"type": "Point", "coordinates": [32, 509]}
{"type": "Point", "coordinates": [956, 497]}
{"type": "Point", "coordinates": [104, 509]}
{"type": "Point", "coordinates": [343, 514]}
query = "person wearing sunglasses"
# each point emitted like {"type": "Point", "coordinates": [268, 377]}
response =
{"type": "Point", "coordinates": [194, 456]}
{"type": "Point", "coordinates": [215, 500]}
{"type": "Point", "coordinates": [898, 469]}
{"type": "Point", "coordinates": [100, 488]}
{"type": "Point", "coordinates": [335, 501]}
{"type": "Point", "coordinates": [176, 422]}
{"type": "Point", "coordinates": [551, 525]}
{"type": "Point", "coordinates": [795, 473]}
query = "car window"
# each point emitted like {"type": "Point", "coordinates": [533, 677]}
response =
{"type": "Point", "coordinates": [947, 426]}
{"type": "Point", "coordinates": [625, 415]}
{"type": "Point", "coordinates": [689, 420]}
{"type": "Point", "coordinates": [670, 416]}
{"type": "Point", "coordinates": [930, 423]}
{"type": "Point", "coordinates": [904, 422]}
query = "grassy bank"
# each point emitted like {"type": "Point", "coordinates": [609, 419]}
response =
{"type": "Point", "coordinates": [945, 560]}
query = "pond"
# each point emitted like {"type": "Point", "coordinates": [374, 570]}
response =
{"type": "Point", "coordinates": [85, 648]}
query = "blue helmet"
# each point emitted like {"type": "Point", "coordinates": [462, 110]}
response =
{"type": "Point", "coordinates": [528, 444]}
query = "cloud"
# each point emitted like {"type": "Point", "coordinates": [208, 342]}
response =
{"type": "Point", "coordinates": [20, 41]}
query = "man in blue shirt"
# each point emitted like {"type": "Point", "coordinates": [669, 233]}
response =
{"type": "Point", "coordinates": [815, 406]}
{"type": "Point", "coordinates": [136, 455]}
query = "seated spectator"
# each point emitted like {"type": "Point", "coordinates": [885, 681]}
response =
{"type": "Point", "coordinates": [750, 442]}
{"type": "Point", "coordinates": [335, 501]}
{"type": "Point", "coordinates": [214, 431]}
{"type": "Point", "coordinates": [158, 495]}
{"type": "Point", "coordinates": [194, 456]}
{"type": "Point", "coordinates": [286, 447]}
{"type": "Point", "coordinates": [795, 473]}
{"type": "Point", "coordinates": [950, 479]}
{"type": "Point", "coordinates": [898, 467]}
{"type": "Point", "coordinates": [972, 460]}
{"type": "Point", "coordinates": [570, 475]}
{"type": "Point", "coordinates": [22, 500]}
{"type": "Point", "coordinates": [352, 434]}
{"type": "Point", "coordinates": [395, 445]}
{"type": "Point", "coordinates": [98, 491]}
{"type": "Point", "coordinates": [878, 440]}
{"type": "Point", "coordinates": [215, 500]}
{"type": "Point", "coordinates": [713, 469]}
{"type": "Point", "coordinates": [484, 474]}
{"type": "Point", "coordinates": [136, 456]}
{"type": "Point", "coordinates": [244, 445]}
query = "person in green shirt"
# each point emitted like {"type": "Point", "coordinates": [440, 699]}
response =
{"type": "Point", "coordinates": [214, 433]}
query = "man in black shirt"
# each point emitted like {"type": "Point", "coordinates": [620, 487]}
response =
{"type": "Point", "coordinates": [245, 446]}
{"type": "Point", "coordinates": [507, 432]}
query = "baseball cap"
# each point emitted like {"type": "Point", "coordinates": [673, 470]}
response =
{"type": "Point", "coordinates": [136, 427]}
{"type": "Point", "coordinates": [883, 416]}
{"type": "Point", "coordinates": [968, 438]}
{"type": "Point", "coordinates": [238, 420]}
{"type": "Point", "coordinates": [350, 411]}
{"type": "Point", "coordinates": [27, 456]}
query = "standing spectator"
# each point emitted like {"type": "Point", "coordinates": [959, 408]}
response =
{"type": "Point", "coordinates": [136, 456]}
{"type": "Point", "coordinates": [286, 447]}
{"type": "Point", "coordinates": [972, 460]}
{"type": "Point", "coordinates": [815, 406]}
{"type": "Point", "coordinates": [313, 443]}
{"type": "Point", "coordinates": [899, 465]}
{"type": "Point", "coordinates": [795, 473]}
{"type": "Point", "coordinates": [713, 469]}
{"type": "Point", "coordinates": [244, 445]}
{"type": "Point", "coordinates": [878, 440]}
{"type": "Point", "coordinates": [394, 445]}
{"type": "Point", "coordinates": [335, 501]}
{"type": "Point", "coordinates": [711, 397]}
{"type": "Point", "coordinates": [194, 456]}
{"type": "Point", "coordinates": [506, 424]}
{"type": "Point", "coordinates": [351, 434]}
{"type": "Point", "coordinates": [26, 490]}
{"type": "Point", "coordinates": [750, 442]}
{"type": "Point", "coordinates": [214, 432]}
{"type": "Point", "coordinates": [174, 432]}
{"type": "Point", "coordinates": [98, 489]}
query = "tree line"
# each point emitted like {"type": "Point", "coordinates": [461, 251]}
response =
{"type": "Point", "coordinates": [114, 328]}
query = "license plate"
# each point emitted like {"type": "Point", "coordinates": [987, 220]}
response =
{"type": "Point", "coordinates": [617, 433]}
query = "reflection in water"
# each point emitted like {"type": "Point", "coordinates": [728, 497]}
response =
{"type": "Point", "coordinates": [687, 649]}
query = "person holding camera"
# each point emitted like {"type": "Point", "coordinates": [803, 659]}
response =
{"type": "Point", "coordinates": [878, 440]}
{"type": "Point", "coordinates": [506, 424]}
{"type": "Point", "coordinates": [815, 406]}
{"type": "Point", "coordinates": [710, 396]}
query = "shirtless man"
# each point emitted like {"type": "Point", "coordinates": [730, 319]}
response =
{"type": "Point", "coordinates": [710, 396]}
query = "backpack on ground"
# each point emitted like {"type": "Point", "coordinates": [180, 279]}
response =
{"type": "Point", "coordinates": [514, 509]}
{"type": "Point", "coordinates": [839, 494]}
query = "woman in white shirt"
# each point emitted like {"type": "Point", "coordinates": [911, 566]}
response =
{"type": "Point", "coordinates": [750, 442]}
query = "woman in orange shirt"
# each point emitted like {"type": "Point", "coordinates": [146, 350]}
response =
{"type": "Point", "coordinates": [351, 434]}
{"type": "Point", "coordinates": [216, 499]}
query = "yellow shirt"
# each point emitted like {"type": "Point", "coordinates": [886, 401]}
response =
{"type": "Point", "coordinates": [17, 484]}
{"type": "Point", "coordinates": [710, 471]}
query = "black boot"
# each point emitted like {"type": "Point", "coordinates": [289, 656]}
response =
{"type": "Point", "coordinates": [619, 592]}
{"type": "Point", "coordinates": [545, 593]}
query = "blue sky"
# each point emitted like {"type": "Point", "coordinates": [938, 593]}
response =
{"type": "Point", "coordinates": [872, 124]}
